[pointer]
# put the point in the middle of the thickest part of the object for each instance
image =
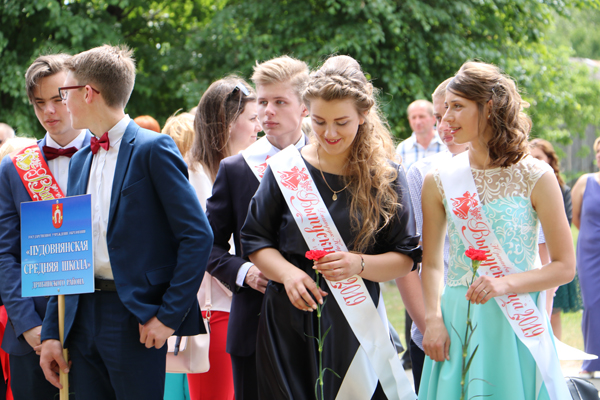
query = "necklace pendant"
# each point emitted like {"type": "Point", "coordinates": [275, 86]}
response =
{"type": "Point", "coordinates": [334, 197]}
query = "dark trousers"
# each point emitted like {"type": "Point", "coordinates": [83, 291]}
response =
{"type": "Point", "coordinates": [27, 379]}
{"type": "Point", "coordinates": [407, 325]}
{"type": "Point", "coordinates": [3, 387]}
{"type": "Point", "coordinates": [417, 357]}
{"type": "Point", "coordinates": [109, 362]}
{"type": "Point", "coordinates": [244, 377]}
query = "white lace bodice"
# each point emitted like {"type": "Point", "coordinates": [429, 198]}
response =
{"type": "Point", "coordinates": [505, 197]}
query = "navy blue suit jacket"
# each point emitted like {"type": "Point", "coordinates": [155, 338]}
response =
{"type": "Point", "coordinates": [158, 237]}
{"type": "Point", "coordinates": [24, 313]}
{"type": "Point", "coordinates": [234, 187]}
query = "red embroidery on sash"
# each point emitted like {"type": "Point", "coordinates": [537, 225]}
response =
{"type": "Point", "coordinates": [261, 168]}
{"type": "Point", "coordinates": [35, 174]}
{"type": "Point", "coordinates": [292, 179]}
{"type": "Point", "coordinates": [462, 205]}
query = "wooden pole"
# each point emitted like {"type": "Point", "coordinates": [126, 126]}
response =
{"type": "Point", "coordinates": [64, 378]}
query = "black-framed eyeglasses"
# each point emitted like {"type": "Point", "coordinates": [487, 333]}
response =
{"type": "Point", "coordinates": [242, 87]}
{"type": "Point", "coordinates": [63, 92]}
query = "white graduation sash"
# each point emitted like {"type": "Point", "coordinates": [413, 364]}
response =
{"type": "Point", "coordinates": [257, 154]}
{"type": "Point", "coordinates": [525, 318]}
{"type": "Point", "coordinates": [376, 358]}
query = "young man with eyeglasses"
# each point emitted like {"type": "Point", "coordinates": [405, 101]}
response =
{"type": "Point", "coordinates": [22, 335]}
{"type": "Point", "coordinates": [151, 242]}
{"type": "Point", "coordinates": [279, 83]}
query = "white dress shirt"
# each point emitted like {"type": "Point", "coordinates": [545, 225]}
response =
{"type": "Point", "coordinates": [60, 165]}
{"type": "Point", "coordinates": [220, 296]}
{"type": "Point", "coordinates": [102, 175]}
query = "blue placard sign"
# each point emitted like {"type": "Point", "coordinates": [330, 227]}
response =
{"type": "Point", "coordinates": [56, 247]}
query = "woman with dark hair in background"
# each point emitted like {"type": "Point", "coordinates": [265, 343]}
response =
{"type": "Point", "coordinates": [567, 297]}
{"type": "Point", "coordinates": [225, 123]}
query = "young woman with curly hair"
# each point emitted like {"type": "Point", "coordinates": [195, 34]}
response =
{"type": "Point", "coordinates": [366, 194]}
{"type": "Point", "coordinates": [513, 191]}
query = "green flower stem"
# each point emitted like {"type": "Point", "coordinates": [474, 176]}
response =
{"type": "Point", "coordinates": [320, 340]}
{"type": "Point", "coordinates": [468, 333]}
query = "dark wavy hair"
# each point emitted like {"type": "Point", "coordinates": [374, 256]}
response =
{"type": "Point", "coordinates": [220, 106]}
{"type": "Point", "coordinates": [481, 82]}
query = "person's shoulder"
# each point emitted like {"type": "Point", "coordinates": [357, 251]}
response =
{"type": "Point", "coordinates": [532, 166]}
{"type": "Point", "coordinates": [235, 160]}
{"type": "Point", "coordinates": [581, 183]}
{"type": "Point", "coordinates": [409, 141]}
{"type": "Point", "coordinates": [146, 134]}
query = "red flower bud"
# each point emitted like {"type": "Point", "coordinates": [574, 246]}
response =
{"type": "Point", "coordinates": [476, 255]}
{"type": "Point", "coordinates": [316, 254]}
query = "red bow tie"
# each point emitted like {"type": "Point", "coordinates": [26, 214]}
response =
{"type": "Point", "coordinates": [95, 144]}
{"type": "Point", "coordinates": [51, 153]}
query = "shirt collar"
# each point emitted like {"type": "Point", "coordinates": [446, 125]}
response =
{"type": "Point", "coordinates": [77, 142]}
{"type": "Point", "coordinates": [115, 134]}
{"type": "Point", "coordinates": [301, 142]}
{"type": "Point", "coordinates": [436, 139]}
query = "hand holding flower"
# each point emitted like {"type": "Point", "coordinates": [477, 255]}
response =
{"type": "Point", "coordinates": [339, 265]}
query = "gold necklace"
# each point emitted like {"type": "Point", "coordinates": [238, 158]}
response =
{"type": "Point", "coordinates": [335, 192]}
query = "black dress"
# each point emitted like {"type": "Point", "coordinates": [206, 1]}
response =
{"type": "Point", "coordinates": [287, 353]}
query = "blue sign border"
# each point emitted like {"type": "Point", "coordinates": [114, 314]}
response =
{"type": "Point", "coordinates": [57, 253]}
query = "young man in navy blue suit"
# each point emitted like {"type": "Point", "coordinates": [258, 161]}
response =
{"type": "Point", "coordinates": [151, 242]}
{"type": "Point", "coordinates": [279, 84]}
{"type": "Point", "coordinates": [22, 335]}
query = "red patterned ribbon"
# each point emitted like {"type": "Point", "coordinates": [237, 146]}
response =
{"type": "Point", "coordinates": [35, 174]}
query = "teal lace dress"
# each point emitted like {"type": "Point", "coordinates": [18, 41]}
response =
{"type": "Point", "coordinates": [503, 367]}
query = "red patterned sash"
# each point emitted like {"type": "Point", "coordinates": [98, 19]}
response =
{"type": "Point", "coordinates": [35, 174]}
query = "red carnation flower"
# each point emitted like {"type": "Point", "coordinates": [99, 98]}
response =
{"type": "Point", "coordinates": [476, 255]}
{"type": "Point", "coordinates": [316, 254]}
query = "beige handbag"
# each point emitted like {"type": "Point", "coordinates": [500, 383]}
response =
{"type": "Point", "coordinates": [189, 354]}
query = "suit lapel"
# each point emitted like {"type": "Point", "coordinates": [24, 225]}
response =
{"type": "Point", "coordinates": [41, 143]}
{"type": "Point", "coordinates": [84, 177]}
{"type": "Point", "coordinates": [125, 150]}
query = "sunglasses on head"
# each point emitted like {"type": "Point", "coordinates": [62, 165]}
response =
{"type": "Point", "coordinates": [242, 87]}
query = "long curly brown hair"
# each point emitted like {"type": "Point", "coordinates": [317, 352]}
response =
{"type": "Point", "coordinates": [368, 170]}
{"type": "Point", "coordinates": [481, 82]}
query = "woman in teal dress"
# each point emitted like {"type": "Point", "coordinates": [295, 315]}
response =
{"type": "Point", "coordinates": [484, 109]}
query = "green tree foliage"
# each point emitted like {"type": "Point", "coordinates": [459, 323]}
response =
{"type": "Point", "coordinates": [564, 98]}
{"type": "Point", "coordinates": [578, 30]}
{"type": "Point", "coordinates": [157, 30]}
{"type": "Point", "coordinates": [408, 47]}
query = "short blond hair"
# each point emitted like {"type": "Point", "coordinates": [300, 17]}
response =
{"type": "Point", "coordinates": [596, 144]}
{"type": "Point", "coordinates": [282, 69]}
{"type": "Point", "coordinates": [14, 144]}
{"type": "Point", "coordinates": [181, 128]}
{"type": "Point", "coordinates": [440, 91]}
{"type": "Point", "coordinates": [421, 103]}
{"type": "Point", "coordinates": [110, 68]}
